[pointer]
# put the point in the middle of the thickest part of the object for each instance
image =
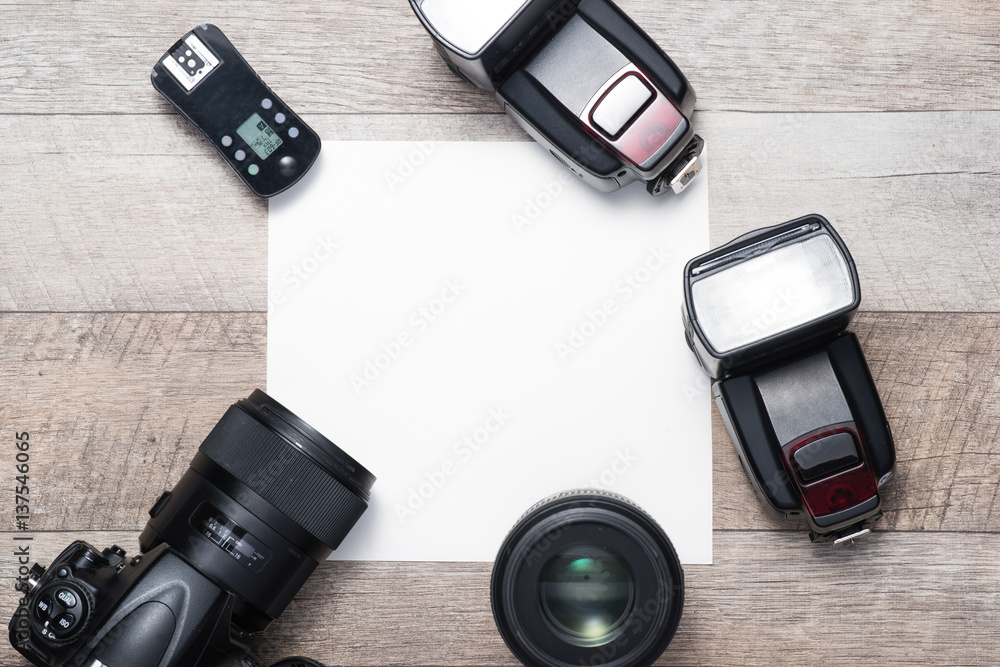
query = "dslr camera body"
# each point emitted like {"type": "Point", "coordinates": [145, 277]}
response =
{"type": "Point", "coordinates": [582, 79]}
{"type": "Point", "coordinates": [266, 499]}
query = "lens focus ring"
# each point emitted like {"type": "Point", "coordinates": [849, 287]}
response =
{"type": "Point", "coordinates": [277, 471]}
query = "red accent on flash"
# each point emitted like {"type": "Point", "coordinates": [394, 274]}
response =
{"type": "Point", "coordinates": [648, 131]}
{"type": "Point", "coordinates": [845, 486]}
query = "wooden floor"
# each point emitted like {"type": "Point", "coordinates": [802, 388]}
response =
{"type": "Point", "coordinates": [133, 297]}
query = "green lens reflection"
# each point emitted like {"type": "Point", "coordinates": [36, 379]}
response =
{"type": "Point", "coordinates": [586, 593]}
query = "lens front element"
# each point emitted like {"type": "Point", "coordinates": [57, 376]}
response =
{"type": "Point", "coordinates": [586, 593]}
{"type": "Point", "coordinates": [587, 578]}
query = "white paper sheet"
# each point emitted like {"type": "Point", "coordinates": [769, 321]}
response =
{"type": "Point", "coordinates": [481, 330]}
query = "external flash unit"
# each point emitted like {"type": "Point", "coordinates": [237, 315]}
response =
{"type": "Point", "coordinates": [766, 315]}
{"type": "Point", "coordinates": [582, 79]}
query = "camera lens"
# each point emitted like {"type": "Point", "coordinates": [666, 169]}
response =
{"type": "Point", "coordinates": [587, 578]}
{"type": "Point", "coordinates": [265, 500]}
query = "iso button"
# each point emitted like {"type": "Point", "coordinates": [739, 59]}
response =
{"type": "Point", "coordinates": [64, 624]}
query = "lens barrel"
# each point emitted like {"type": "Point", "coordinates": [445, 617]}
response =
{"type": "Point", "coordinates": [587, 578]}
{"type": "Point", "coordinates": [265, 500]}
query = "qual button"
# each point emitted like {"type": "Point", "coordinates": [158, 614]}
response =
{"type": "Point", "coordinates": [66, 597]}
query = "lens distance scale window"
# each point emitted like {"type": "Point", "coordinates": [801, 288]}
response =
{"type": "Point", "coordinates": [231, 537]}
{"type": "Point", "coordinates": [207, 80]}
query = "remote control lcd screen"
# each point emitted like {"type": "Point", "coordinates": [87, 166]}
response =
{"type": "Point", "coordinates": [262, 139]}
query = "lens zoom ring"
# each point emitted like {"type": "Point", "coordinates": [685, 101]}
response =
{"type": "Point", "coordinates": [284, 477]}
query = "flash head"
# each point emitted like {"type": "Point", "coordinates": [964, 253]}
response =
{"type": "Point", "coordinates": [582, 79]}
{"type": "Point", "coordinates": [765, 315]}
{"type": "Point", "coordinates": [768, 293]}
{"type": "Point", "coordinates": [480, 40]}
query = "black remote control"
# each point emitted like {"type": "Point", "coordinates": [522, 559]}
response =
{"type": "Point", "coordinates": [210, 84]}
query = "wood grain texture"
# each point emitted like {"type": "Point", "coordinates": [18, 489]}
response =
{"type": "Point", "coordinates": [771, 598]}
{"type": "Point", "coordinates": [371, 57]}
{"type": "Point", "coordinates": [142, 215]}
{"type": "Point", "coordinates": [117, 404]}
{"type": "Point", "coordinates": [133, 297]}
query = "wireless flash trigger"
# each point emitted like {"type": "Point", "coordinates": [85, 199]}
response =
{"type": "Point", "coordinates": [210, 84]}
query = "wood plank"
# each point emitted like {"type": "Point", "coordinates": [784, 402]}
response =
{"type": "Point", "coordinates": [117, 405]}
{"type": "Point", "coordinates": [915, 196]}
{"type": "Point", "coordinates": [374, 57]}
{"type": "Point", "coordinates": [770, 598]}
{"type": "Point", "coordinates": [142, 215]}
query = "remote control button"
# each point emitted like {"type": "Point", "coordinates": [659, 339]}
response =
{"type": "Point", "coordinates": [293, 132]}
{"type": "Point", "coordinates": [287, 166]}
{"type": "Point", "coordinates": [227, 141]}
{"type": "Point", "coordinates": [43, 607]}
{"type": "Point", "coordinates": [266, 103]}
{"type": "Point", "coordinates": [66, 597]}
{"type": "Point", "coordinates": [64, 624]}
{"type": "Point", "coordinates": [279, 118]}
{"type": "Point", "coordinates": [240, 155]}
{"type": "Point", "coordinates": [253, 170]}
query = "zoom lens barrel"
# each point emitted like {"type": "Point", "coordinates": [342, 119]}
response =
{"type": "Point", "coordinates": [266, 499]}
{"type": "Point", "coordinates": [587, 578]}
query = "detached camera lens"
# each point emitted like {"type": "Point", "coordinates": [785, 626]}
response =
{"type": "Point", "coordinates": [266, 499]}
{"type": "Point", "coordinates": [587, 578]}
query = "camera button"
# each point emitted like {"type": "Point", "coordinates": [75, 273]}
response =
{"type": "Point", "coordinates": [160, 504]}
{"type": "Point", "coordinates": [64, 624]}
{"type": "Point", "coordinates": [62, 572]}
{"type": "Point", "coordinates": [67, 598]}
{"type": "Point", "coordinates": [43, 607]}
